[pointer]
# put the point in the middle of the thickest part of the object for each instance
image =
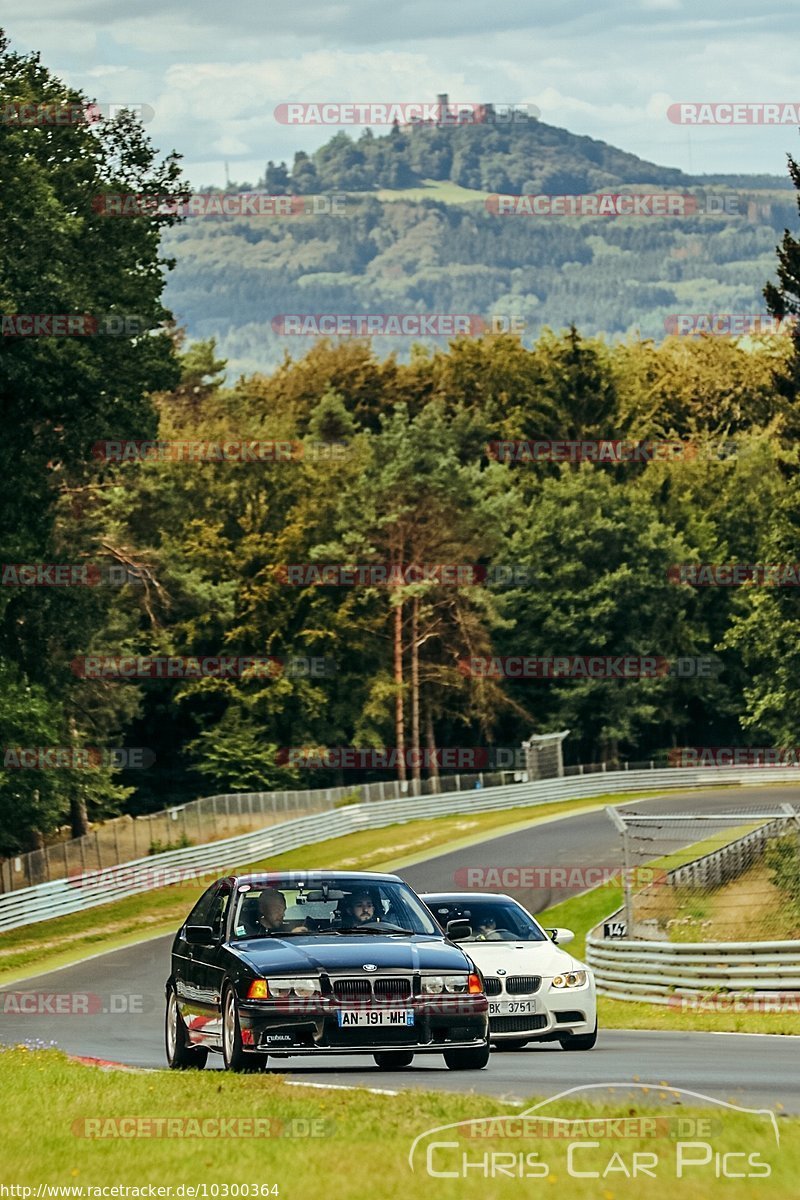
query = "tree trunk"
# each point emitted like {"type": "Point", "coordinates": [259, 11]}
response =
{"type": "Point", "coordinates": [78, 815]}
{"type": "Point", "coordinates": [399, 712]}
{"type": "Point", "coordinates": [430, 741]}
{"type": "Point", "coordinates": [415, 742]}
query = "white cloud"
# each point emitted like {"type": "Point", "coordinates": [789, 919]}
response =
{"type": "Point", "coordinates": [214, 73]}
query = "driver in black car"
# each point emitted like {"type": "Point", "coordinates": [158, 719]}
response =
{"type": "Point", "coordinates": [358, 909]}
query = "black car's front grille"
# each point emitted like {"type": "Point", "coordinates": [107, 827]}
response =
{"type": "Point", "coordinates": [516, 1024]}
{"type": "Point", "coordinates": [492, 986]}
{"type": "Point", "coordinates": [523, 985]}
{"type": "Point", "coordinates": [382, 987]}
{"type": "Point", "coordinates": [352, 989]}
{"type": "Point", "coordinates": [390, 988]}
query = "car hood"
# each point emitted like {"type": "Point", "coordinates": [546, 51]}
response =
{"type": "Point", "coordinates": [522, 958]}
{"type": "Point", "coordinates": [341, 953]}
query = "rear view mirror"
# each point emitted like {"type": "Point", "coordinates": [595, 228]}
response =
{"type": "Point", "coordinates": [199, 935]}
{"type": "Point", "coordinates": [458, 930]}
{"type": "Point", "coordinates": [318, 896]}
{"type": "Point", "coordinates": [561, 936]}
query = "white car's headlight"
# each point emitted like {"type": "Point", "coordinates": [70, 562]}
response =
{"type": "Point", "coordinates": [570, 979]}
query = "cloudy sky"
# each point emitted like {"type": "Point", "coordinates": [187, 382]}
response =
{"type": "Point", "coordinates": [213, 72]}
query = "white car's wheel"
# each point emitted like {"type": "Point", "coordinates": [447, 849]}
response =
{"type": "Point", "coordinates": [579, 1041]}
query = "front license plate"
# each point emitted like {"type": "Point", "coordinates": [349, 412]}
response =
{"type": "Point", "coordinates": [392, 1016]}
{"type": "Point", "coordinates": [511, 1008]}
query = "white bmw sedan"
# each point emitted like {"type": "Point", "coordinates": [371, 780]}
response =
{"type": "Point", "coordinates": [537, 991]}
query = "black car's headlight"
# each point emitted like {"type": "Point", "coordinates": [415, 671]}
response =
{"type": "Point", "coordinates": [435, 985]}
{"type": "Point", "coordinates": [570, 979]}
{"type": "Point", "coordinates": [301, 987]}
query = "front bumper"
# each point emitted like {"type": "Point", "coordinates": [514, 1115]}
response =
{"type": "Point", "coordinates": [312, 1027]}
{"type": "Point", "coordinates": [558, 1012]}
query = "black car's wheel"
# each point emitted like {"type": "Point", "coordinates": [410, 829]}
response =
{"type": "Point", "coordinates": [393, 1060]}
{"type": "Point", "coordinates": [511, 1044]}
{"type": "Point", "coordinates": [233, 1053]}
{"type": "Point", "coordinates": [181, 1055]}
{"type": "Point", "coordinates": [579, 1041]}
{"type": "Point", "coordinates": [471, 1059]}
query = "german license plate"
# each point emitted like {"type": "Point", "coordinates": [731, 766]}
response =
{"type": "Point", "coordinates": [511, 1008]}
{"type": "Point", "coordinates": [389, 1016]}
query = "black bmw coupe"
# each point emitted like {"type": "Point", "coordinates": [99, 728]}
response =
{"type": "Point", "coordinates": [321, 962]}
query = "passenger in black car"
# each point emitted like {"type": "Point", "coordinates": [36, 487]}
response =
{"type": "Point", "coordinates": [272, 913]}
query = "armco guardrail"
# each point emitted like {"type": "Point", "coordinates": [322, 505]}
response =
{"type": "Point", "coordinates": [88, 889]}
{"type": "Point", "coordinates": [652, 971]}
{"type": "Point", "coordinates": [663, 972]}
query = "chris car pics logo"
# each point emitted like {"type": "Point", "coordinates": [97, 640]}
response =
{"type": "Point", "coordinates": [649, 1144]}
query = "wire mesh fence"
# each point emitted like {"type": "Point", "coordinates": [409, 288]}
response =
{"type": "Point", "coordinates": [712, 877]}
{"type": "Point", "coordinates": [212, 818]}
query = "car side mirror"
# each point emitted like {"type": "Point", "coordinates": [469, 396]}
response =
{"type": "Point", "coordinates": [561, 936]}
{"type": "Point", "coordinates": [199, 935]}
{"type": "Point", "coordinates": [458, 930]}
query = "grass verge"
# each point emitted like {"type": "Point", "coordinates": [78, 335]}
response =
{"type": "Point", "coordinates": [360, 1142]}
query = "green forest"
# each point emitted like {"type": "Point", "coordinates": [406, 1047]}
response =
{"type": "Point", "coordinates": [391, 464]}
{"type": "Point", "coordinates": [407, 227]}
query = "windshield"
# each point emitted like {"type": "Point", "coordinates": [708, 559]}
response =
{"type": "Point", "coordinates": [491, 920]}
{"type": "Point", "coordinates": [285, 907]}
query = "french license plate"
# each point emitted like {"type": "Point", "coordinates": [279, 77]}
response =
{"type": "Point", "coordinates": [389, 1016]}
{"type": "Point", "coordinates": [511, 1008]}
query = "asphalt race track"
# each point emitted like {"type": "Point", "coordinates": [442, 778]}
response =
{"type": "Point", "coordinates": [124, 993]}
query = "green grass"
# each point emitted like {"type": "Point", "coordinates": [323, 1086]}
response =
{"type": "Point", "coordinates": [432, 189]}
{"type": "Point", "coordinates": [363, 1140]}
{"type": "Point", "coordinates": [108, 926]}
{"type": "Point", "coordinates": [587, 910]}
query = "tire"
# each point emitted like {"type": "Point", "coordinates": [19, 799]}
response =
{"type": "Point", "coordinates": [510, 1044]}
{"type": "Point", "coordinates": [234, 1055]}
{"type": "Point", "coordinates": [393, 1060]}
{"type": "Point", "coordinates": [579, 1041]}
{"type": "Point", "coordinates": [471, 1059]}
{"type": "Point", "coordinates": [181, 1055]}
